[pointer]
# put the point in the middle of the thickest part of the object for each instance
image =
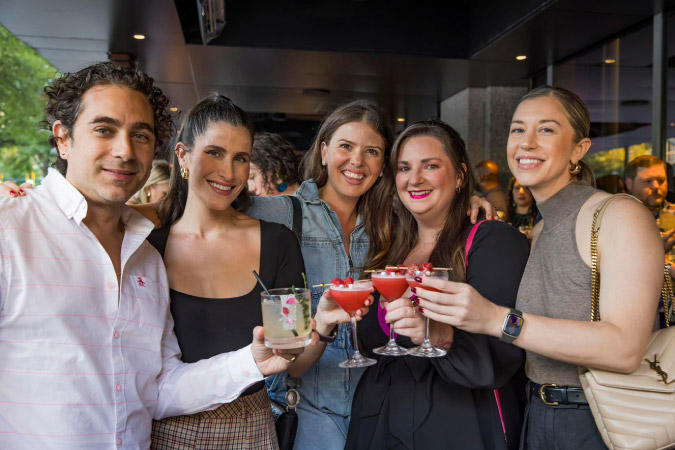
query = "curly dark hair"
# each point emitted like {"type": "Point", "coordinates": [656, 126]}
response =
{"type": "Point", "coordinates": [64, 99]}
{"type": "Point", "coordinates": [274, 155]}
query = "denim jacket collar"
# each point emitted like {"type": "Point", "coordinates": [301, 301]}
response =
{"type": "Point", "coordinates": [309, 192]}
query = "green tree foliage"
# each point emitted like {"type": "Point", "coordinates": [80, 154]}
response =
{"type": "Point", "coordinates": [23, 75]}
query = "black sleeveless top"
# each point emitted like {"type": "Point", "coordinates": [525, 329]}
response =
{"type": "Point", "coordinates": [206, 327]}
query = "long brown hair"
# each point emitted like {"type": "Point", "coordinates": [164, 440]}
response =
{"type": "Point", "coordinates": [377, 220]}
{"type": "Point", "coordinates": [212, 109]}
{"type": "Point", "coordinates": [449, 248]}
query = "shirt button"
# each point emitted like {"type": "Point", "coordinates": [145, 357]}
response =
{"type": "Point", "coordinates": [119, 441]}
{"type": "Point", "coordinates": [118, 387]}
{"type": "Point", "coordinates": [110, 285]}
{"type": "Point", "coordinates": [117, 334]}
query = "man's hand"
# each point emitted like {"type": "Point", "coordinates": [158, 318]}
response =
{"type": "Point", "coordinates": [11, 189]}
{"type": "Point", "coordinates": [668, 239]}
{"type": "Point", "coordinates": [478, 203]}
{"type": "Point", "coordinates": [271, 361]}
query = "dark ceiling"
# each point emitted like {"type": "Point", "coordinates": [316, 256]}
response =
{"type": "Point", "coordinates": [293, 61]}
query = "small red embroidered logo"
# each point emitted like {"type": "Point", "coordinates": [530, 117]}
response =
{"type": "Point", "coordinates": [141, 283]}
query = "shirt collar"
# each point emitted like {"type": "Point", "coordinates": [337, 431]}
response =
{"type": "Point", "coordinates": [74, 205]}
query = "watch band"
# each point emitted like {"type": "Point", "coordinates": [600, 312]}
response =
{"type": "Point", "coordinates": [511, 328]}
{"type": "Point", "coordinates": [330, 338]}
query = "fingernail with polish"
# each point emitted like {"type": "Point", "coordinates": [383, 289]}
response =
{"type": "Point", "coordinates": [12, 193]}
{"type": "Point", "coordinates": [418, 279]}
{"type": "Point", "coordinates": [413, 290]}
{"type": "Point", "coordinates": [421, 310]}
{"type": "Point", "coordinates": [413, 297]}
{"type": "Point", "coordinates": [21, 192]}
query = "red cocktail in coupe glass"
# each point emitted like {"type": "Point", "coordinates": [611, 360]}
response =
{"type": "Point", "coordinates": [414, 278]}
{"type": "Point", "coordinates": [351, 297]}
{"type": "Point", "coordinates": [391, 285]}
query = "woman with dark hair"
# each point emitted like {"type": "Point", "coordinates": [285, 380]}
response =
{"type": "Point", "coordinates": [210, 249]}
{"type": "Point", "coordinates": [274, 166]}
{"type": "Point", "coordinates": [446, 402]}
{"type": "Point", "coordinates": [547, 141]}
{"type": "Point", "coordinates": [522, 207]}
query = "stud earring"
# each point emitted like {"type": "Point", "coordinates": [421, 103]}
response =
{"type": "Point", "coordinates": [381, 173]}
{"type": "Point", "coordinates": [575, 168]}
{"type": "Point", "coordinates": [184, 173]}
{"type": "Point", "coordinates": [323, 162]}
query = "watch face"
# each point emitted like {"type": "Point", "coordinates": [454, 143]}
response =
{"type": "Point", "coordinates": [513, 325]}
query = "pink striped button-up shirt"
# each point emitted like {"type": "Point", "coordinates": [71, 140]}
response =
{"type": "Point", "coordinates": [78, 369]}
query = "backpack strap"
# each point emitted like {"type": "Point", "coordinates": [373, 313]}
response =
{"type": "Point", "coordinates": [297, 217]}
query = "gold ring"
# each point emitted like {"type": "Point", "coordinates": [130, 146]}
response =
{"type": "Point", "coordinates": [293, 358]}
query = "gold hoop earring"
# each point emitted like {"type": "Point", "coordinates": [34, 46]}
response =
{"type": "Point", "coordinates": [575, 168]}
{"type": "Point", "coordinates": [184, 173]}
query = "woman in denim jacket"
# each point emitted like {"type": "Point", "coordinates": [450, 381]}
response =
{"type": "Point", "coordinates": [345, 171]}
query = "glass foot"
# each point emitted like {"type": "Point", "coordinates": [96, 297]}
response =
{"type": "Point", "coordinates": [391, 349]}
{"type": "Point", "coordinates": [360, 361]}
{"type": "Point", "coordinates": [427, 352]}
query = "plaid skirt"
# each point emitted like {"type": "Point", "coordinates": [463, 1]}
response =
{"type": "Point", "coordinates": [245, 423]}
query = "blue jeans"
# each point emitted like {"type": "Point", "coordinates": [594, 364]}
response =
{"type": "Point", "coordinates": [326, 402]}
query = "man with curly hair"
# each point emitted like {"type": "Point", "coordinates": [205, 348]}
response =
{"type": "Point", "coordinates": [87, 352]}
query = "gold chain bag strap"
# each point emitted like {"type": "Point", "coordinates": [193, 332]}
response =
{"type": "Point", "coordinates": [637, 410]}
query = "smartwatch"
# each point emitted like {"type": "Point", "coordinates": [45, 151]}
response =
{"type": "Point", "coordinates": [513, 325]}
{"type": "Point", "coordinates": [328, 339]}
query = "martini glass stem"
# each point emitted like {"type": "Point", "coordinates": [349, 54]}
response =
{"type": "Point", "coordinates": [427, 342]}
{"type": "Point", "coordinates": [356, 354]}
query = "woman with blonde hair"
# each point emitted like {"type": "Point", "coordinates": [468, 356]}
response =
{"type": "Point", "coordinates": [157, 185]}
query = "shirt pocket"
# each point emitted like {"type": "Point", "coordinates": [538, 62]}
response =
{"type": "Point", "coordinates": [144, 319]}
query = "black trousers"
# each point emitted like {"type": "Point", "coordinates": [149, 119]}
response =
{"type": "Point", "coordinates": [562, 427]}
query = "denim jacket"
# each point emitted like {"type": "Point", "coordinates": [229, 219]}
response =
{"type": "Point", "coordinates": [325, 258]}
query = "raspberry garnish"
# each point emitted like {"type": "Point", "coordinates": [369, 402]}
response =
{"type": "Point", "coordinates": [336, 282]}
{"type": "Point", "coordinates": [349, 280]}
{"type": "Point", "coordinates": [427, 266]}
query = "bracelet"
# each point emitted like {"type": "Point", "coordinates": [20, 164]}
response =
{"type": "Point", "coordinates": [330, 338]}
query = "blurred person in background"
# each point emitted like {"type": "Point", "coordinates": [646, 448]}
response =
{"type": "Point", "coordinates": [611, 183]}
{"type": "Point", "coordinates": [646, 180]}
{"type": "Point", "coordinates": [157, 185]}
{"type": "Point", "coordinates": [487, 183]}
{"type": "Point", "coordinates": [274, 166]}
{"type": "Point", "coordinates": [523, 210]}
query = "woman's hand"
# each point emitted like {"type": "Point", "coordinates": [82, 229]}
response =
{"type": "Point", "coordinates": [271, 361]}
{"type": "Point", "coordinates": [329, 313]}
{"type": "Point", "coordinates": [478, 203]}
{"type": "Point", "coordinates": [405, 318]}
{"type": "Point", "coordinates": [460, 305]}
{"type": "Point", "coordinates": [11, 189]}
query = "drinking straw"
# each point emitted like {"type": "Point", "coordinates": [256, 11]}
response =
{"type": "Point", "coordinates": [255, 274]}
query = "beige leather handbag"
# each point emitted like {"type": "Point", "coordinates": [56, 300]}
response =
{"type": "Point", "coordinates": [637, 410]}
